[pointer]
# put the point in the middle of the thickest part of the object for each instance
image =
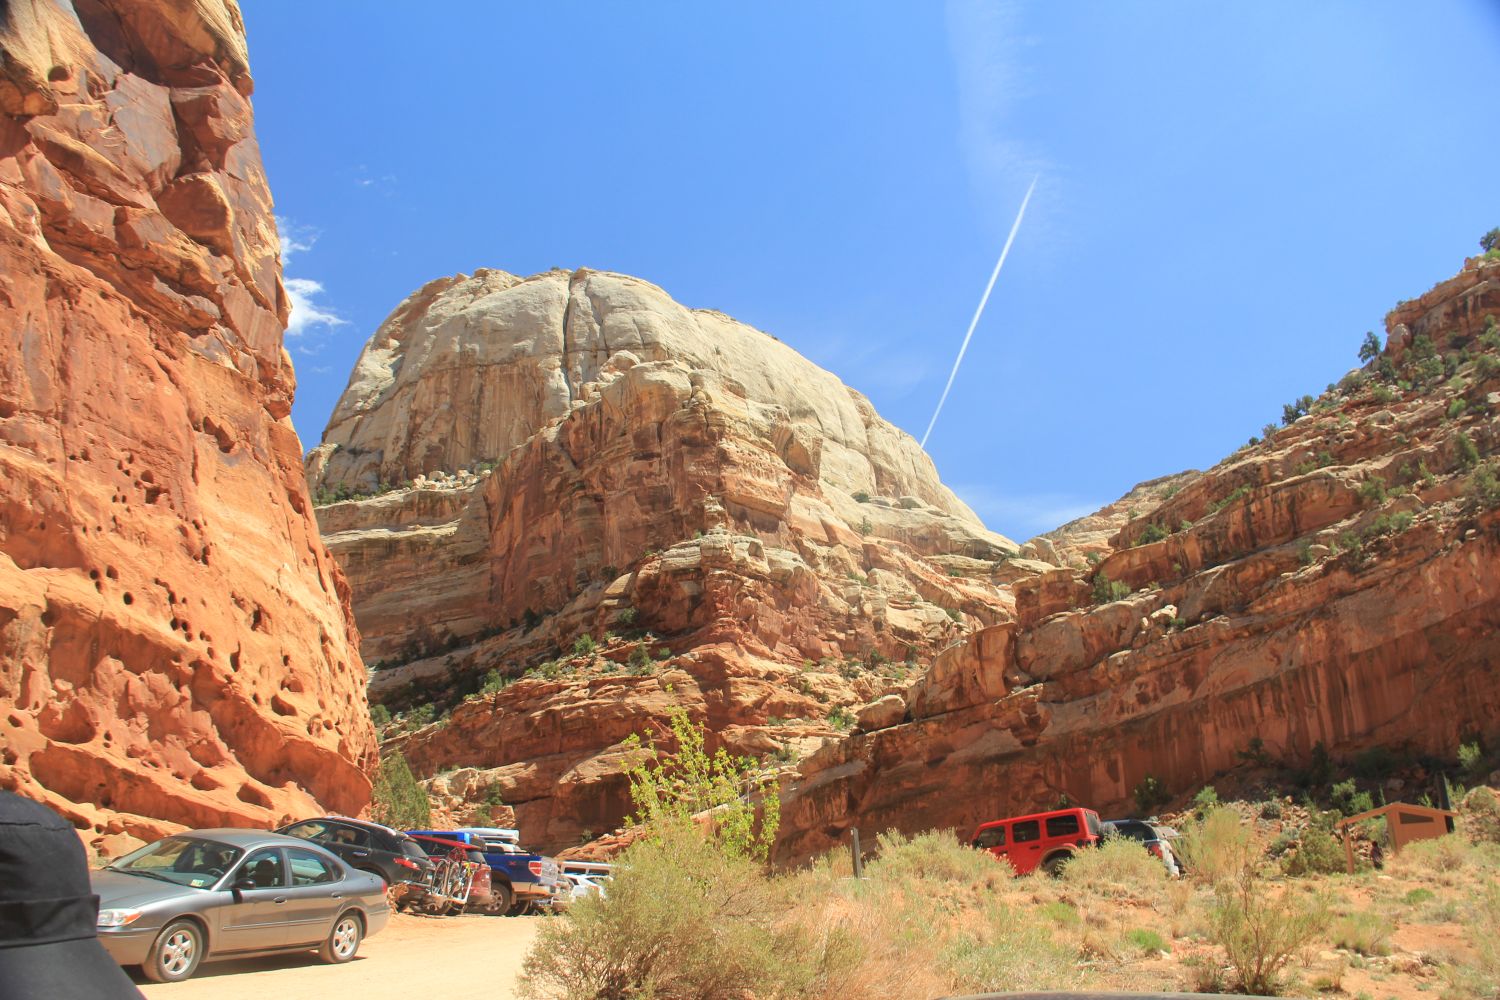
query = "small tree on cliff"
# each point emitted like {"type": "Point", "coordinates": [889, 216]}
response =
{"type": "Point", "coordinates": [1490, 241]}
{"type": "Point", "coordinates": [669, 788]}
{"type": "Point", "coordinates": [1370, 349]}
{"type": "Point", "coordinates": [397, 799]}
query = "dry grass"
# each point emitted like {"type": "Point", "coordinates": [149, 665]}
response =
{"type": "Point", "coordinates": [934, 918]}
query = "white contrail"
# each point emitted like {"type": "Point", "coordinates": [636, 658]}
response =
{"type": "Point", "coordinates": [979, 312]}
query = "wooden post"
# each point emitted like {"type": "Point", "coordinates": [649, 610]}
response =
{"type": "Point", "coordinates": [1348, 850]}
{"type": "Point", "coordinates": [859, 863]}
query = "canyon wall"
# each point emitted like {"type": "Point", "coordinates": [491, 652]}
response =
{"type": "Point", "coordinates": [1338, 583]}
{"type": "Point", "coordinates": [684, 511]}
{"type": "Point", "coordinates": [176, 645]}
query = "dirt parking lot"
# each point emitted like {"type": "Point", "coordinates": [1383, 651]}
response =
{"type": "Point", "coordinates": [455, 958]}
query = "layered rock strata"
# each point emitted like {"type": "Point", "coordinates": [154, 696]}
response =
{"type": "Point", "coordinates": [175, 642]}
{"type": "Point", "coordinates": [729, 525]}
{"type": "Point", "coordinates": [1338, 583]}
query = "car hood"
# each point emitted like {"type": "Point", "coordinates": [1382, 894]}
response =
{"type": "Point", "coordinates": [118, 891]}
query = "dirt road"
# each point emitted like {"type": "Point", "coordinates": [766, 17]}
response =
{"type": "Point", "coordinates": [456, 958]}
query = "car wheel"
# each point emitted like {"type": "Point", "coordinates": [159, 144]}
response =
{"type": "Point", "coordinates": [343, 940]}
{"type": "Point", "coordinates": [1053, 866]}
{"type": "Point", "coordinates": [501, 899]}
{"type": "Point", "coordinates": [175, 954]}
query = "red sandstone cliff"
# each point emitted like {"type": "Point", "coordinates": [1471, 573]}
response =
{"type": "Point", "coordinates": [1338, 583]}
{"type": "Point", "coordinates": [175, 642]}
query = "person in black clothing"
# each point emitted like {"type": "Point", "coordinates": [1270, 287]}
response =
{"type": "Point", "coordinates": [49, 943]}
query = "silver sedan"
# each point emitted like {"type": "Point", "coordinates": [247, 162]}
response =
{"type": "Point", "coordinates": [210, 894]}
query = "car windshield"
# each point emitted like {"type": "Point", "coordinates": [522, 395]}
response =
{"type": "Point", "coordinates": [187, 861]}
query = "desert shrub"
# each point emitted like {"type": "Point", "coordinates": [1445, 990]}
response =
{"type": "Point", "coordinates": [1119, 867]}
{"type": "Point", "coordinates": [421, 715]}
{"type": "Point", "coordinates": [1152, 533]}
{"type": "Point", "coordinates": [1457, 407]}
{"type": "Point", "coordinates": [583, 645]}
{"type": "Point", "coordinates": [1150, 794]}
{"type": "Point", "coordinates": [1107, 590]}
{"type": "Point", "coordinates": [865, 527]}
{"type": "Point", "coordinates": [493, 682]}
{"type": "Point", "coordinates": [1147, 941]}
{"type": "Point", "coordinates": [1450, 860]}
{"type": "Point", "coordinates": [1316, 852]}
{"type": "Point", "coordinates": [626, 616]}
{"type": "Point", "coordinates": [1363, 933]}
{"type": "Point", "coordinates": [380, 715]}
{"type": "Point", "coordinates": [396, 799]}
{"type": "Point", "coordinates": [1376, 764]}
{"type": "Point", "coordinates": [1259, 929]}
{"type": "Point", "coordinates": [1384, 394]}
{"type": "Point", "coordinates": [1060, 913]}
{"type": "Point", "coordinates": [860, 496]}
{"type": "Point", "coordinates": [1369, 349]}
{"type": "Point", "coordinates": [683, 919]}
{"type": "Point", "coordinates": [936, 856]}
{"type": "Point", "coordinates": [1485, 488]}
{"type": "Point", "coordinates": [1346, 797]}
{"type": "Point", "coordinates": [841, 719]}
{"type": "Point", "coordinates": [1417, 897]}
{"type": "Point", "coordinates": [1217, 847]}
{"type": "Point", "coordinates": [1483, 977]}
{"type": "Point", "coordinates": [1480, 812]}
{"type": "Point", "coordinates": [1467, 452]}
{"type": "Point", "coordinates": [1206, 798]}
{"type": "Point", "coordinates": [1013, 952]}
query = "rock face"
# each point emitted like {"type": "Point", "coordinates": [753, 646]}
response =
{"type": "Point", "coordinates": [175, 642]}
{"type": "Point", "coordinates": [1076, 542]}
{"type": "Point", "coordinates": [1338, 583]}
{"type": "Point", "coordinates": [735, 529]}
{"type": "Point", "coordinates": [468, 368]}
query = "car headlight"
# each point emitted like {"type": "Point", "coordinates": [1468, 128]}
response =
{"type": "Point", "coordinates": [118, 918]}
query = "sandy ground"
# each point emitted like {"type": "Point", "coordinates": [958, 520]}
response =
{"type": "Point", "coordinates": [455, 958]}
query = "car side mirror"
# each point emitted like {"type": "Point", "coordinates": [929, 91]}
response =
{"type": "Point", "coordinates": [244, 883]}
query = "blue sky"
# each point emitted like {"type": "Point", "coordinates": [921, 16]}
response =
{"type": "Point", "coordinates": [1228, 196]}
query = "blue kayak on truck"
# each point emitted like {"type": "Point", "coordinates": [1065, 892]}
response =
{"type": "Point", "coordinates": [520, 878]}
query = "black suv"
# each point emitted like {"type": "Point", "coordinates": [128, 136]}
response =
{"type": "Point", "coordinates": [1155, 838]}
{"type": "Point", "coordinates": [367, 846]}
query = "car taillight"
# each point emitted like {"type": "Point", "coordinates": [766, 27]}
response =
{"type": "Point", "coordinates": [1154, 849]}
{"type": "Point", "coordinates": [408, 863]}
{"type": "Point", "coordinates": [535, 867]}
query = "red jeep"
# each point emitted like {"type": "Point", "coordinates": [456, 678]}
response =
{"type": "Point", "coordinates": [1040, 840]}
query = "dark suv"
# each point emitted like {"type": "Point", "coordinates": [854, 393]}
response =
{"type": "Point", "coordinates": [1153, 837]}
{"type": "Point", "coordinates": [370, 847]}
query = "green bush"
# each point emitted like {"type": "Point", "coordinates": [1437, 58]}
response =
{"type": "Point", "coordinates": [396, 798]}
{"type": "Point", "coordinates": [380, 715]}
{"type": "Point", "coordinates": [1150, 794]}
{"type": "Point", "coordinates": [1376, 764]}
{"type": "Point", "coordinates": [1346, 797]}
{"type": "Point", "coordinates": [583, 645]}
{"type": "Point", "coordinates": [860, 496]}
{"type": "Point", "coordinates": [493, 682]}
{"type": "Point", "coordinates": [669, 788]}
{"type": "Point", "coordinates": [936, 857]}
{"type": "Point", "coordinates": [1206, 798]}
{"type": "Point", "coordinates": [1107, 590]}
{"type": "Point", "coordinates": [841, 719]}
{"type": "Point", "coordinates": [1468, 454]}
{"type": "Point", "coordinates": [1369, 349]}
{"type": "Point", "coordinates": [626, 616]}
{"type": "Point", "coordinates": [1485, 487]}
{"type": "Point", "coordinates": [1372, 491]}
{"type": "Point", "coordinates": [1147, 941]}
{"type": "Point", "coordinates": [1317, 853]}
{"type": "Point", "coordinates": [1384, 394]}
{"type": "Point", "coordinates": [1457, 407]}
{"type": "Point", "coordinates": [1152, 533]}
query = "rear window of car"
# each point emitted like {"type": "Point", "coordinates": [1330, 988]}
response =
{"type": "Point", "coordinates": [309, 869]}
{"type": "Point", "coordinates": [1062, 826]}
{"type": "Point", "coordinates": [412, 849]}
{"type": "Point", "coordinates": [993, 837]}
{"type": "Point", "coordinates": [1092, 818]}
{"type": "Point", "coordinates": [312, 830]}
{"type": "Point", "coordinates": [1029, 830]}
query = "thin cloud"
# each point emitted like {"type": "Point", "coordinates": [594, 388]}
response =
{"type": "Point", "coordinates": [1023, 516]}
{"type": "Point", "coordinates": [307, 313]}
{"type": "Point", "coordinates": [294, 238]}
{"type": "Point", "coordinates": [989, 58]}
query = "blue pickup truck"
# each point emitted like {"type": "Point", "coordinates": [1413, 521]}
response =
{"type": "Point", "coordinates": [520, 879]}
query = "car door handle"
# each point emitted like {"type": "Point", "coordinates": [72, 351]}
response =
{"type": "Point", "coordinates": [359, 854]}
{"type": "Point", "coordinates": [279, 899]}
{"type": "Point", "coordinates": [336, 895]}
